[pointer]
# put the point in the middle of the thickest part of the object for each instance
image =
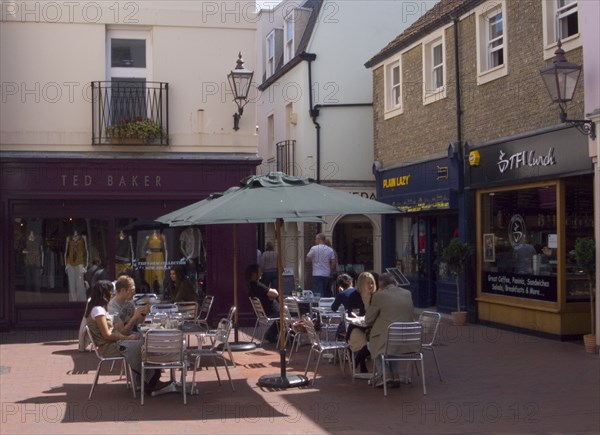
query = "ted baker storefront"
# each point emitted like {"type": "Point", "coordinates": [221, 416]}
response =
{"type": "Point", "coordinates": [68, 220]}
{"type": "Point", "coordinates": [534, 199]}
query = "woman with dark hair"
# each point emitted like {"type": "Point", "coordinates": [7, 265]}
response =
{"type": "Point", "coordinates": [111, 342]}
{"type": "Point", "coordinates": [267, 297]}
{"type": "Point", "coordinates": [180, 287]}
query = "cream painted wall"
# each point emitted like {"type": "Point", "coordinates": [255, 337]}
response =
{"type": "Point", "coordinates": [342, 47]}
{"type": "Point", "coordinates": [47, 66]}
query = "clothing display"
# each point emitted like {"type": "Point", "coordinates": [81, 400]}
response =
{"type": "Point", "coordinates": [34, 261]}
{"type": "Point", "coordinates": [154, 274]}
{"type": "Point", "coordinates": [76, 259]}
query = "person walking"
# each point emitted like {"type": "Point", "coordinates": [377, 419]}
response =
{"type": "Point", "coordinates": [324, 264]}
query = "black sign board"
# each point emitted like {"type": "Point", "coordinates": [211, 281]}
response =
{"type": "Point", "coordinates": [541, 288]}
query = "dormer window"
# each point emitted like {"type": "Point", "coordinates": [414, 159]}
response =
{"type": "Point", "coordinates": [288, 36]}
{"type": "Point", "coordinates": [270, 51]}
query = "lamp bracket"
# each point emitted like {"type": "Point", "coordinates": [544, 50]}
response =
{"type": "Point", "coordinates": [584, 126]}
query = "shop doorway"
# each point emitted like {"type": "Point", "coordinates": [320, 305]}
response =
{"type": "Point", "coordinates": [419, 244]}
{"type": "Point", "coordinates": [353, 244]}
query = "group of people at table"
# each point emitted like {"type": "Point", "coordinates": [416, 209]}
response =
{"type": "Point", "coordinates": [376, 299]}
{"type": "Point", "coordinates": [113, 320]}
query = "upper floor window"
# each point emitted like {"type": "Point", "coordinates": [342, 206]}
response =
{"type": "Point", "coordinates": [561, 21]}
{"type": "Point", "coordinates": [289, 37]}
{"type": "Point", "coordinates": [128, 57]}
{"type": "Point", "coordinates": [492, 53]}
{"type": "Point", "coordinates": [495, 45]}
{"type": "Point", "coordinates": [434, 74]}
{"type": "Point", "coordinates": [270, 50]}
{"type": "Point", "coordinates": [567, 23]}
{"type": "Point", "coordinates": [393, 88]}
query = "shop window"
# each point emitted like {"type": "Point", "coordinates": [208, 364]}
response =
{"type": "Point", "coordinates": [579, 223]}
{"type": "Point", "coordinates": [58, 260]}
{"type": "Point", "coordinates": [521, 240]}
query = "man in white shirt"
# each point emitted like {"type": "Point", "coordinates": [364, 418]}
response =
{"type": "Point", "coordinates": [323, 264]}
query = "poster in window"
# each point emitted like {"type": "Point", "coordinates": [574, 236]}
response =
{"type": "Point", "coordinates": [489, 248]}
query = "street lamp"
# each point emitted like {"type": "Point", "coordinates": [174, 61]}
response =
{"type": "Point", "coordinates": [561, 79]}
{"type": "Point", "coordinates": [239, 79]}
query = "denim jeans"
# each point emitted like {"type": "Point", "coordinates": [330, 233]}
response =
{"type": "Point", "coordinates": [320, 286]}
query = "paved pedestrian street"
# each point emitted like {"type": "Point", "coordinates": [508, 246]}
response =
{"type": "Point", "coordinates": [494, 381]}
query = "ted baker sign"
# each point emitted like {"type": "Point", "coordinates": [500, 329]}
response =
{"type": "Point", "coordinates": [116, 181]}
{"type": "Point", "coordinates": [520, 159]}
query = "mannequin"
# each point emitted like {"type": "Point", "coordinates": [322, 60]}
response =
{"type": "Point", "coordinates": [124, 257]}
{"type": "Point", "coordinates": [156, 260]}
{"type": "Point", "coordinates": [192, 248]}
{"type": "Point", "coordinates": [34, 261]}
{"type": "Point", "coordinates": [76, 259]}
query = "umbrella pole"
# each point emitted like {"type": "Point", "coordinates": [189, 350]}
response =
{"type": "Point", "coordinates": [236, 345]}
{"type": "Point", "coordinates": [282, 380]}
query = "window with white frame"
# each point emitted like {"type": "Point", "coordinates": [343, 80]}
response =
{"type": "Point", "coordinates": [495, 42]}
{"type": "Point", "coordinates": [393, 87]}
{"type": "Point", "coordinates": [270, 51]}
{"type": "Point", "coordinates": [128, 58]}
{"type": "Point", "coordinates": [561, 21]}
{"type": "Point", "coordinates": [492, 53]}
{"type": "Point", "coordinates": [434, 69]}
{"type": "Point", "coordinates": [289, 37]}
{"type": "Point", "coordinates": [567, 23]}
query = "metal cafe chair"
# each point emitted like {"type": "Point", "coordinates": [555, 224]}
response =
{"type": "Point", "coordinates": [207, 302]}
{"type": "Point", "coordinates": [212, 334]}
{"type": "Point", "coordinates": [430, 321]}
{"type": "Point", "coordinates": [262, 319]}
{"type": "Point", "coordinates": [320, 347]}
{"type": "Point", "coordinates": [164, 349]}
{"type": "Point", "coordinates": [128, 372]}
{"type": "Point", "coordinates": [216, 351]}
{"type": "Point", "coordinates": [406, 337]}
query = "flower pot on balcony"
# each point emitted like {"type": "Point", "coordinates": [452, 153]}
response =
{"type": "Point", "coordinates": [127, 141]}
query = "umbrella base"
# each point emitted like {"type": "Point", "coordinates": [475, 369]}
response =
{"type": "Point", "coordinates": [278, 381]}
{"type": "Point", "coordinates": [241, 346]}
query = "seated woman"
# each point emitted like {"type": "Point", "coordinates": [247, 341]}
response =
{"type": "Point", "coordinates": [110, 342]}
{"type": "Point", "coordinates": [356, 336]}
{"type": "Point", "coordinates": [267, 297]}
{"type": "Point", "coordinates": [180, 287]}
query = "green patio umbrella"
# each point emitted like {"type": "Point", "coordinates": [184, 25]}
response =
{"type": "Point", "coordinates": [274, 197]}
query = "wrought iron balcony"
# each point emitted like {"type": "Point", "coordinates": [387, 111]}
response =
{"type": "Point", "coordinates": [130, 111]}
{"type": "Point", "coordinates": [285, 157]}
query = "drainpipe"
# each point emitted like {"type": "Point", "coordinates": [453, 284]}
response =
{"type": "Point", "coordinates": [314, 112]}
{"type": "Point", "coordinates": [457, 74]}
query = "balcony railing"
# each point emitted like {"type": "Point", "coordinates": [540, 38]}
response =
{"type": "Point", "coordinates": [118, 104]}
{"type": "Point", "coordinates": [285, 157]}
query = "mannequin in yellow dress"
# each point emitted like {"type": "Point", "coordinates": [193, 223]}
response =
{"type": "Point", "coordinates": [156, 259]}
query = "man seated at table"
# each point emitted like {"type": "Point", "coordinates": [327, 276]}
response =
{"type": "Point", "coordinates": [267, 297]}
{"type": "Point", "coordinates": [389, 304]}
{"type": "Point", "coordinates": [126, 315]}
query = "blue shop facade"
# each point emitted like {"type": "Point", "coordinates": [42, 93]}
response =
{"type": "Point", "coordinates": [429, 196]}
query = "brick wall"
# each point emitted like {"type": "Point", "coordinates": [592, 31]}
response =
{"type": "Point", "coordinates": [513, 104]}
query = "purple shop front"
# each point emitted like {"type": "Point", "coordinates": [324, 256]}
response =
{"type": "Point", "coordinates": [68, 220]}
